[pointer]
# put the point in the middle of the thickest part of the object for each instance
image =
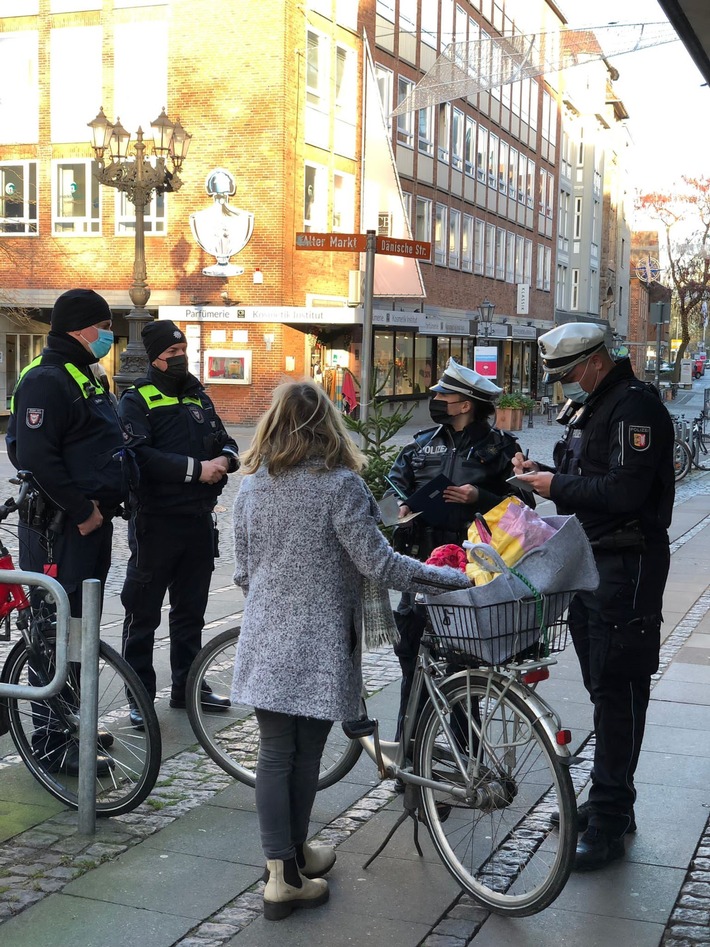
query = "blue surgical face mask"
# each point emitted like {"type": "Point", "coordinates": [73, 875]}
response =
{"type": "Point", "coordinates": [102, 343]}
{"type": "Point", "coordinates": [574, 391]}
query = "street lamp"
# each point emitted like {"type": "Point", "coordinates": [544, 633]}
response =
{"type": "Point", "coordinates": [139, 177]}
{"type": "Point", "coordinates": [485, 314]}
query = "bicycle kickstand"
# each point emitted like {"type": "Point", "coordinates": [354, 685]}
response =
{"type": "Point", "coordinates": [410, 812]}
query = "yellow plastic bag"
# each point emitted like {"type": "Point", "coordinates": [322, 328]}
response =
{"type": "Point", "coordinates": [515, 529]}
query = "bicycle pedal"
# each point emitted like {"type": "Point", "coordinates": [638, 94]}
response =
{"type": "Point", "coordinates": [355, 729]}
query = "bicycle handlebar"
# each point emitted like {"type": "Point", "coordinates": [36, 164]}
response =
{"type": "Point", "coordinates": [12, 504]}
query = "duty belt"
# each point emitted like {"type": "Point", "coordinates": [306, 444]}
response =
{"type": "Point", "coordinates": [629, 537]}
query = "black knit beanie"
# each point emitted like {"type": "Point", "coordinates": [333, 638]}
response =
{"type": "Point", "coordinates": [160, 335]}
{"type": "Point", "coordinates": [78, 308]}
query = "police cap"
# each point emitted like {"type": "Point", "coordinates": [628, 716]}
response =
{"type": "Point", "coordinates": [159, 335]}
{"type": "Point", "coordinates": [458, 380]}
{"type": "Point", "coordinates": [568, 345]}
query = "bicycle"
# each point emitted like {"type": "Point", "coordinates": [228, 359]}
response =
{"type": "Point", "coordinates": [46, 733]}
{"type": "Point", "coordinates": [486, 761]}
{"type": "Point", "coordinates": [699, 441]}
{"type": "Point", "coordinates": [682, 459]}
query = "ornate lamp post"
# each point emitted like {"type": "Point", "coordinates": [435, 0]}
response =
{"type": "Point", "coordinates": [485, 316]}
{"type": "Point", "coordinates": [138, 177]}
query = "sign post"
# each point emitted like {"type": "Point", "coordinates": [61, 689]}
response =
{"type": "Point", "coordinates": [365, 358]}
{"type": "Point", "coordinates": [660, 312]}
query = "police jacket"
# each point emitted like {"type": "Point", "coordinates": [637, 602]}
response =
{"type": "Point", "coordinates": [479, 455]}
{"type": "Point", "coordinates": [65, 430]}
{"type": "Point", "coordinates": [176, 427]}
{"type": "Point", "coordinates": [614, 465]}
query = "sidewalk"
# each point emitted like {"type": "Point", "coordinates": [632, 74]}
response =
{"type": "Point", "coordinates": [184, 869]}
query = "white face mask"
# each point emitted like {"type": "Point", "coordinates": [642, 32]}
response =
{"type": "Point", "coordinates": [574, 391]}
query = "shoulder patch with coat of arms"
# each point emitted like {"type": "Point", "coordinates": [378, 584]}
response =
{"type": "Point", "coordinates": [639, 437]}
{"type": "Point", "coordinates": [34, 417]}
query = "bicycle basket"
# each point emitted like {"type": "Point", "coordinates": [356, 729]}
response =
{"type": "Point", "coordinates": [495, 634]}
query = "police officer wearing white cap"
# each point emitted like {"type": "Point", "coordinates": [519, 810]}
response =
{"type": "Point", "coordinates": [614, 470]}
{"type": "Point", "coordinates": [474, 456]}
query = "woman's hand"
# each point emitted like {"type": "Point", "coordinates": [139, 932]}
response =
{"type": "Point", "coordinates": [466, 493]}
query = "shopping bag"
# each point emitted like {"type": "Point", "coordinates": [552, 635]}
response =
{"type": "Point", "coordinates": [515, 529]}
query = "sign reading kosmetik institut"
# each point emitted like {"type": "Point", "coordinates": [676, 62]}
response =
{"type": "Point", "coordinates": [258, 314]}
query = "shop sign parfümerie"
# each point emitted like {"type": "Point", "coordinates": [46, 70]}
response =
{"type": "Point", "coordinates": [276, 314]}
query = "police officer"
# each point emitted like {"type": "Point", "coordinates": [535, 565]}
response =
{"type": "Point", "coordinates": [184, 455]}
{"type": "Point", "coordinates": [475, 457]}
{"type": "Point", "coordinates": [614, 470]}
{"type": "Point", "coordinates": [64, 429]}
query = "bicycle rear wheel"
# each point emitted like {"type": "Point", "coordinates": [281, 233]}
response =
{"type": "Point", "coordinates": [231, 739]}
{"type": "Point", "coordinates": [498, 843]}
{"type": "Point", "coordinates": [46, 733]}
{"type": "Point", "coordinates": [682, 459]}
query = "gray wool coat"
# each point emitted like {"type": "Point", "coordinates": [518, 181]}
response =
{"type": "Point", "coordinates": [302, 541]}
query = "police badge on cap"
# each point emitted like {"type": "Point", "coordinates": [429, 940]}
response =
{"type": "Point", "coordinates": [458, 380]}
{"type": "Point", "coordinates": [568, 345]}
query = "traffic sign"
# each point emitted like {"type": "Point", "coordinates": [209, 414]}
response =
{"type": "Point", "coordinates": [395, 246]}
{"type": "Point", "coordinates": [342, 242]}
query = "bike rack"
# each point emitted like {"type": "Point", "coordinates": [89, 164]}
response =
{"type": "Point", "coordinates": [89, 683]}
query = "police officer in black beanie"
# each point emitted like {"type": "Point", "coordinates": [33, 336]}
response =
{"type": "Point", "coordinates": [184, 456]}
{"type": "Point", "coordinates": [65, 430]}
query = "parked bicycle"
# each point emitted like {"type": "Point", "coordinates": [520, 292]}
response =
{"type": "Point", "coordinates": [485, 763]}
{"type": "Point", "coordinates": [699, 442]}
{"type": "Point", "coordinates": [46, 733]}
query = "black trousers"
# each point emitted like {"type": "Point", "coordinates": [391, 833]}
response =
{"type": "Point", "coordinates": [175, 554]}
{"type": "Point", "coordinates": [616, 634]}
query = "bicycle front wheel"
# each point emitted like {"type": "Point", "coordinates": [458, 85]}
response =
{"type": "Point", "coordinates": [46, 733]}
{"type": "Point", "coordinates": [498, 843]}
{"type": "Point", "coordinates": [682, 459]}
{"type": "Point", "coordinates": [231, 739]}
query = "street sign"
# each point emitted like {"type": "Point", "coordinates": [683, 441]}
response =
{"type": "Point", "coordinates": [340, 242]}
{"type": "Point", "coordinates": [394, 246]}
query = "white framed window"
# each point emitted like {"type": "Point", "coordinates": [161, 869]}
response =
{"type": "Point", "coordinates": [346, 14]}
{"type": "Point", "coordinates": [510, 258]}
{"type": "Point", "coordinates": [407, 198]}
{"type": "Point", "coordinates": [444, 130]}
{"type": "Point", "coordinates": [426, 130]}
{"type": "Point", "coordinates": [343, 202]}
{"type": "Point", "coordinates": [18, 198]}
{"type": "Point", "coordinates": [345, 81]}
{"type": "Point", "coordinates": [522, 179]}
{"type": "Point", "coordinates": [547, 276]}
{"type": "Point", "coordinates": [593, 290]}
{"type": "Point", "coordinates": [19, 109]}
{"type": "Point", "coordinates": [541, 191]}
{"type": "Point", "coordinates": [503, 168]}
{"type": "Point", "coordinates": [315, 198]}
{"type": "Point", "coordinates": [73, 91]}
{"type": "Point", "coordinates": [454, 238]}
{"type": "Point", "coordinates": [385, 85]}
{"type": "Point", "coordinates": [467, 244]}
{"type": "Point", "coordinates": [500, 253]}
{"type": "Point", "coordinates": [577, 231]}
{"type": "Point", "coordinates": [422, 224]}
{"type": "Point", "coordinates": [519, 258]}
{"type": "Point", "coordinates": [447, 23]}
{"type": "Point", "coordinates": [457, 130]}
{"type": "Point", "coordinates": [408, 15]}
{"type": "Point", "coordinates": [482, 154]}
{"type": "Point", "coordinates": [527, 266]}
{"type": "Point", "coordinates": [429, 23]}
{"type": "Point", "coordinates": [155, 217]}
{"type": "Point", "coordinates": [385, 9]}
{"type": "Point", "coordinates": [140, 94]}
{"type": "Point", "coordinates": [513, 173]}
{"type": "Point", "coordinates": [545, 129]}
{"type": "Point", "coordinates": [76, 208]}
{"type": "Point", "coordinates": [490, 250]}
{"type": "Point", "coordinates": [405, 121]}
{"type": "Point", "coordinates": [530, 185]}
{"type": "Point", "coordinates": [534, 103]}
{"type": "Point", "coordinates": [469, 147]}
{"type": "Point", "coordinates": [492, 160]}
{"type": "Point", "coordinates": [440, 235]}
{"type": "Point", "coordinates": [540, 266]}
{"type": "Point", "coordinates": [317, 68]}
{"type": "Point", "coordinates": [561, 289]}
{"type": "Point", "coordinates": [574, 296]}
{"type": "Point", "coordinates": [580, 148]}
{"type": "Point", "coordinates": [550, 205]}
{"type": "Point", "coordinates": [478, 247]}
{"type": "Point", "coordinates": [563, 215]}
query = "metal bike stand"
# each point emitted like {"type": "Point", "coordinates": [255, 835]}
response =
{"type": "Point", "coordinates": [89, 708]}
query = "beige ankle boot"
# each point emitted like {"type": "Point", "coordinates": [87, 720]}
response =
{"type": "Point", "coordinates": [319, 859]}
{"type": "Point", "coordinates": [281, 898]}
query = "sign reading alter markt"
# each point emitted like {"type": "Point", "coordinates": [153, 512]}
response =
{"type": "Point", "coordinates": [357, 242]}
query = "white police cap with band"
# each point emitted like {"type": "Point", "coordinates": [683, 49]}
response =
{"type": "Point", "coordinates": [568, 345]}
{"type": "Point", "coordinates": [458, 380]}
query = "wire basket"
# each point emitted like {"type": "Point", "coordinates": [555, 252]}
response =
{"type": "Point", "coordinates": [496, 634]}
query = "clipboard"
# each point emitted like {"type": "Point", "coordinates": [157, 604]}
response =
{"type": "Point", "coordinates": [429, 501]}
{"type": "Point", "coordinates": [389, 510]}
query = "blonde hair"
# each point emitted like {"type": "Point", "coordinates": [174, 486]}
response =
{"type": "Point", "coordinates": [301, 423]}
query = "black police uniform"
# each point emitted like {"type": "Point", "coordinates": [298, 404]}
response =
{"type": "Point", "coordinates": [171, 534]}
{"type": "Point", "coordinates": [65, 430]}
{"type": "Point", "coordinates": [478, 455]}
{"type": "Point", "coordinates": [614, 470]}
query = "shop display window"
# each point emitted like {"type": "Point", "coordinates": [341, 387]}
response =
{"type": "Point", "coordinates": [227, 367]}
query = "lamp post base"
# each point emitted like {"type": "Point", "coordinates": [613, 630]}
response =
{"type": "Point", "coordinates": [134, 361]}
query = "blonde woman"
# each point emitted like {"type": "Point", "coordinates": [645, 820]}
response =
{"type": "Point", "coordinates": [305, 532]}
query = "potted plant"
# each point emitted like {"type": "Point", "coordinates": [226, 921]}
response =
{"type": "Point", "coordinates": [510, 408]}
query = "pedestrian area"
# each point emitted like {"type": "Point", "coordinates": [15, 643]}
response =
{"type": "Point", "coordinates": [184, 869]}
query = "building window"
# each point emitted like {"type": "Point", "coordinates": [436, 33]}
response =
{"type": "Point", "coordinates": [522, 179]}
{"type": "Point", "coordinates": [315, 198]}
{"type": "Point", "coordinates": [154, 215]}
{"type": "Point", "coordinates": [403, 363]}
{"type": "Point", "coordinates": [593, 291]}
{"type": "Point", "coordinates": [574, 300]}
{"type": "Point", "coordinates": [73, 91]}
{"type": "Point", "coordinates": [454, 238]}
{"type": "Point", "coordinates": [345, 83]}
{"type": "Point", "coordinates": [76, 209]}
{"type": "Point", "coordinates": [344, 202]}
{"type": "Point", "coordinates": [429, 23]}
{"type": "Point", "coordinates": [561, 286]}
{"type": "Point", "coordinates": [19, 110]}
{"type": "Point", "coordinates": [482, 154]}
{"type": "Point", "coordinates": [492, 160]}
{"type": "Point", "coordinates": [139, 94]}
{"type": "Point", "coordinates": [547, 275]}
{"type": "Point", "coordinates": [467, 244]}
{"type": "Point", "coordinates": [385, 84]}
{"type": "Point", "coordinates": [519, 258]}
{"type": "Point", "coordinates": [500, 254]}
{"type": "Point", "coordinates": [550, 208]}
{"type": "Point", "coordinates": [540, 267]}
{"type": "Point", "coordinates": [513, 173]}
{"type": "Point", "coordinates": [542, 191]}
{"type": "Point", "coordinates": [422, 226]}
{"type": "Point", "coordinates": [444, 130]}
{"type": "Point", "coordinates": [457, 130]}
{"type": "Point", "coordinates": [408, 15]}
{"type": "Point", "coordinates": [405, 121]}
{"type": "Point", "coordinates": [469, 148]}
{"type": "Point", "coordinates": [317, 46]}
{"type": "Point", "coordinates": [530, 185]}
{"type": "Point", "coordinates": [510, 258]}
{"type": "Point", "coordinates": [503, 168]}
{"type": "Point", "coordinates": [440, 235]}
{"type": "Point", "coordinates": [426, 131]}
{"type": "Point", "coordinates": [577, 218]}
{"type": "Point", "coordinates": [385, 9]}
{"type": "Point", "coordinates": [490, 250]}
{"type": "Point", "coordinates": [20, 350]}
{"type": "Point", "coordinates": [527, 267]}
{"type": "Point", "coordinates": [478, 247]}
{"type": "Point", "coordinates": [18, 198]}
